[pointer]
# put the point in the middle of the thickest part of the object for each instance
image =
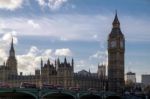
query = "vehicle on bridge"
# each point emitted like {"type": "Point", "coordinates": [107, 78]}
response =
{"type": "Point", "coordinates": [74, 88]}
{"type": "Point", "coordinates": [47, 86]}
{"type": "Point", "coordinates": [27, 85]}
{"type": "Point", "coordinates": [59, 87]}
{"type": "Point", "coordinates": [92, 90]}
{"type": "Point", "coordinates": [4, 85]}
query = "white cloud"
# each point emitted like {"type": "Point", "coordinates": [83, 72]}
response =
{"type": "Point", "coordinates": [63, 52]}
{"type": "Point", "coordinates": [61, 27]}
{"type": "Point", "coordinates": [33, 24]}
{"type": "Point", "coordinates": [33, 51]}
{"type": "Point", "coordinates": [56, 4]}
{"type": "Point", "coordinates": [29, 61]}
{"type": "Point", "coordinates": [5, 44]}
{"type": "Point", "coordinates": [76, 27]}
{"type": "Point", "coordinates": [99, 54]}
{"type": "Point", "coordinates": [85, 65]}
{"type": "Point", "coordinates": [102, 56]}
{"type": "Point", "coordinates": [8, 37]}
{"type": "Point", "coordinates": [52, 4]}
{"type": "Point", "coordinates": [10, 4]}
{"type": "Point", "coordinates": [95, 36]}
{"type": "Point", "coordinates": [47, 52]}
{"type": "Point", "coordinates": [2, 26]}
{"type": "Point", "coordinates": [42, 2]}
{"type": "Point", "coordinates": [63, 39]}
{"type": "Point", "coordinates": [80, 64]}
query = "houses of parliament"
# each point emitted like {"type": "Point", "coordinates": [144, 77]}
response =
{"type": "Point", "coordinates": [62, 73]}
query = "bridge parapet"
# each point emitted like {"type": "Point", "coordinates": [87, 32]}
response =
{"type": "Point", "coordinates": [14, 91]}
{"type": "Point", "coordinates": [39, 93]}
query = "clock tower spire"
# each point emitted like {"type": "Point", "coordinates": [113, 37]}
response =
{"type": "Point", "coordinates": [116, 23]}
{"type": "Point", "coordinates": [116, 50]}
{"type": "Point", "coordinates": [12, 51]}
{"type": "Point", "coordinates": [12, 61]}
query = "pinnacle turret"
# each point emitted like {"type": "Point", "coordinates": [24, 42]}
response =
{"type": "Point", "coordinates": [48, 62]}
{"type": "Point", "coordinates": [12, 51]}
{"type": "Point", "coordinates": [116, 23]}
{"type": "Point", "coordinates": [65, 60]}
{"type": "Point", "coordinates": [72, 62]}
{"type": "Point", "coordinates": [41, 62]}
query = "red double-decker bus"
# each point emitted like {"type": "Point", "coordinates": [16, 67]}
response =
{"type": "Point", "coordinates": [4, 85]}
{"type": "Point", "coordinates": [27, 85]}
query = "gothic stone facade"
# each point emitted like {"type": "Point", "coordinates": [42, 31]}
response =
{"type": "Point", "coordinates": [57, 73]}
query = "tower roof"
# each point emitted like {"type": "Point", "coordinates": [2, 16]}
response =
{"type": "Point", "coordinates": [116, 23]}
{"type": "Point", "coordinates": [116, 27]}
{"type": "Point", "coordinates": [48, 61]}
{"type": "Point", "coordinates": [41, 62]}
{"type": "Point", "coordinates": [12, 50]}
{"type": "Point", "coordinates": [12, 45]}
{"type": "Point", "coordinates": [72, 60]}
{"type": "Point", "coordinates": [65, 60]}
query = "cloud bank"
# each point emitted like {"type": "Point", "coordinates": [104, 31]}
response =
{"type": "Point", "coordinates": [28, 62]}
{"type": "Point", "coordinates": [10, 4]}
{"type": "Point", "coordinates": [52, 4]}
{"type": "Point", "coordinates": [77, 27]}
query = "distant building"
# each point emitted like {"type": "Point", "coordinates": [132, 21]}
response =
{"type": "Point", "coordinates": [131, 77]}
{"type": "Point", "coordinates": [146, 79]}
{"type": "Point", "coordinates": [101, 71]}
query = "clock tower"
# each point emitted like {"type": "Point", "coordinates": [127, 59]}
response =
{"type": "Point", "coordinates": [116, 50]}
{"type": "Point", "coordinates": [12, 61]}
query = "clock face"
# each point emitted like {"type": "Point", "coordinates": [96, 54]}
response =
{"type": "Point", "coordinates": [121, 44]}
{"type": "Point", "coordinates": [113, 44]}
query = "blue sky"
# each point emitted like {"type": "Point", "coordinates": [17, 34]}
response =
{"type": "Point", "coordinates": [74, 28]}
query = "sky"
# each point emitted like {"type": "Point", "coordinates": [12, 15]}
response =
{"type": "Point", "coordinates": [74, 29]}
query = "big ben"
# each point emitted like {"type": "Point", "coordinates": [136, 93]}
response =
{"type": "Point", "coordinates": [116, 51]}
{"type": "Point", "coordinates": [11, 62]}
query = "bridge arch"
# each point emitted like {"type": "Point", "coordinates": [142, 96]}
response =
{"type": "Point", "coordinates": [90, 96]}
{"type": "Point", "coordinates": [58, 95]}
{"type": "Point", "coordinates": [17, 95]}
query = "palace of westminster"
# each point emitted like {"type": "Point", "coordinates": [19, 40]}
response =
{"type": "Point", "coordinates": [62, 73]}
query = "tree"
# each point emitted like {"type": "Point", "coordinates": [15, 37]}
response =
{"type": "Point", "coordinates": [129, 85]}
{"type": "Point", "coordinates": [147, 89]}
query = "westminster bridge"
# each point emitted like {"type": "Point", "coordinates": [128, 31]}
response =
{"type": "Point", "coordinates": [28, 93]}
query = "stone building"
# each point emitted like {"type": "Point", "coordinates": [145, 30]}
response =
{"type": "Point", "coordinates": [116, 51]}
{"type": "Point", "coordinates": [57, 73]}
{"type": "Point", "coordinates": [131, 77]}
{"type": "Point", "coordinates": [145, 79]}
{"type": "Point", "coordinates": [101, 71]}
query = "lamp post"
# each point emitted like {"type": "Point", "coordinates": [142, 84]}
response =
{"type": "Point", "coordinates": [103, 95]}
{"type": "Point", "coordinates": [39, 93]}
{"type": "Point", "coordinates": [77, 94]}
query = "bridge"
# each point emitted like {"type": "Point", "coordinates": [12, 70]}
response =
{"type": "Point", "coordinates": [28, 93]}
